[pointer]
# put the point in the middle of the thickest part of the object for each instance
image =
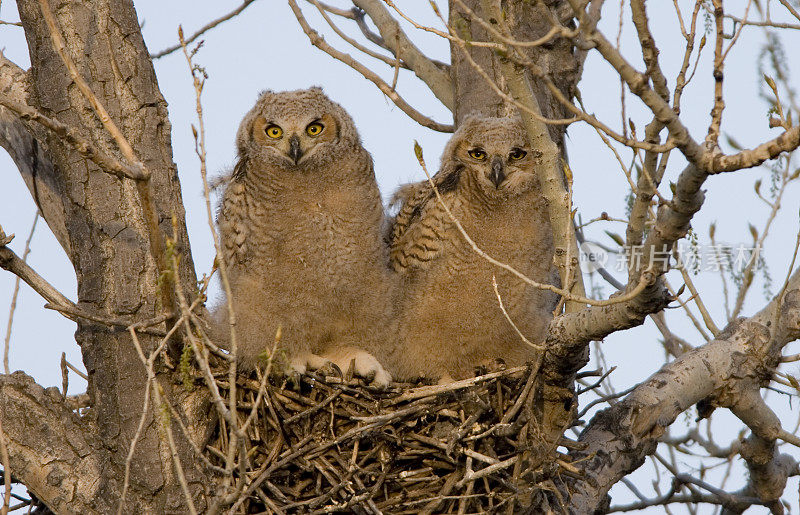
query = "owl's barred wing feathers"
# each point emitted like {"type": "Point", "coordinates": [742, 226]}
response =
{"type": "Point", "coordinates": [421, 224]}
{"type": "Point", "coordinates": [411, 198]}
{"type": "Point", "coordinates": [232, 222]}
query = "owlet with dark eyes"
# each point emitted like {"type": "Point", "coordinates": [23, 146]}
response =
{"type": "Point", "coordinates": [300, 225]}
{"type": "Point", "coordinates": [450, 313]}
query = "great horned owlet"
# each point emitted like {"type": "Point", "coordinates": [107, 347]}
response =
{"type": "Point", "coordinates": [300, 225]}
{"type": "Point", "coordinates": [450, 320]}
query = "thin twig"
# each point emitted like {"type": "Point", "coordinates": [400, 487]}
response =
{"type": "Point", "coordinates": [205, 28]}
{"type": "Point", "coordinates": [319, 42]}
{"type": "Point", "coordinates": [505, 313]}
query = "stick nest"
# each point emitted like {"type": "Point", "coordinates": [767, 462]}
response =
{"type": "Point", "coordinates": [336, 445]}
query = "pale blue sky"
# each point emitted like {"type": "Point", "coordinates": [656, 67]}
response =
{"type": "Point", "coordinates": [264, 48]}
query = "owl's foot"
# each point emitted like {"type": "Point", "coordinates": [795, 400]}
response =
{"type": "Point", "coordinates": [362, 362]}
{"type": "Point", "coordinates": [302, 363]}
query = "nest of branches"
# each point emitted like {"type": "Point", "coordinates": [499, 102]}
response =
{"type": "Point", "coordinates": [326, 444]}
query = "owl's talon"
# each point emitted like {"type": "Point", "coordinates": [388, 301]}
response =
{"type": "Point", "coordinates": [362, 364]}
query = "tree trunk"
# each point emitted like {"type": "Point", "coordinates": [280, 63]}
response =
{"type": "Point", "coordinates": [107, 238]}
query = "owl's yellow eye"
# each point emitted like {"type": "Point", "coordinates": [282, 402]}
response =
{"type": "Point", "coordinates": [314, 128]}
{"type": "Point", "coordinates": [517, 154]}
{"type": "Point", "coordinates": [273, 131]}
{"type": "Point", "coordinates": [477, 153]}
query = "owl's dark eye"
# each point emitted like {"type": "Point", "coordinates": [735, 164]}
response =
{"type": "Point", "coordinates": [517, 154]}
{"type": "Point", "coordinates": [477, 153]}
{"type": "Point", "coordinates": [273, 131]}
{"type": "Point", "coordinates": [314, 129]}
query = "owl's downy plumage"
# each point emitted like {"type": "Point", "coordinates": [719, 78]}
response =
{"type": "Point", "coordinates": [450, 313]}
{"type": "Point", "coordinates": [300, 226]}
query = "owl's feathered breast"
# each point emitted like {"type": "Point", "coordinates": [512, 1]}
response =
{"type": "Point", "coordinates": [299, 224]}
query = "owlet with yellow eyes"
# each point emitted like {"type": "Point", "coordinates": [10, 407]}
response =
{"type": "Point", "coordinates": [300, 225]}
{"type": "Point", "coordinates": [450, 313]}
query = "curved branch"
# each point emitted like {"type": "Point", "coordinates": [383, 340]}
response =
{"type": "Point", "coordinates": [319, 42]}
{"type": "Point", "coordinates": [355, 44]}
{"type": "Point", "coordinates": [395, 39]}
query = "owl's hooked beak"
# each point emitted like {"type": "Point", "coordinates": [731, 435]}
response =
{"type": "Point", "coordinates": [294, 148]}
{"type": "Point", "coordinates": [497, 175]}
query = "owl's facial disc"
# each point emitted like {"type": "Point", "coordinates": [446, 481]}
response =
{"type": "Point", "coordinates": [295, 141]}
{"type": "Point", "coordinates": [500, 168]}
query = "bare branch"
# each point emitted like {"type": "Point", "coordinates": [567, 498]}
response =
{"type": "Point", "coordinates": [205, 28]}
{"type": "Point", "coordinates": [395, 63]}
{"type": "Point", "coordinates": [672, 222]}
{"type": "Point", "coordinates": [11, 262]}
{"type": "Point", "coordinates": [637, 82]}
{"type": "Point", "coordinates": [786, 142]}
{"type": "Point", "coordinates": [769, 469]}
{"type": "Point", "coordinates": [790, 8]}
{"type": "Point", "coordinates": [438, 80]}
{"type": "Point", "coordinates": [76, 140]}
{"type": "Point", "coordinates": [319, 42]}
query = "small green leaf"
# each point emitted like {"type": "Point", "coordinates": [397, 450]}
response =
{"type": "Point", "coordinates": [616, 237]}
{"type": "Point", "coordinates": [417, 151]}
{"type": "Point", "coordinates": [568, 173]}
{"type": "Point", "coordinates": [793, 382]}
{"type": "Point", "coordinates": [712, 229]}
{"type": "Point", "coordinates": [770, 82]}
{"type": "Point", "coordinates": [757, 187]}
